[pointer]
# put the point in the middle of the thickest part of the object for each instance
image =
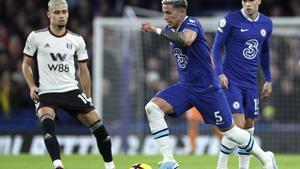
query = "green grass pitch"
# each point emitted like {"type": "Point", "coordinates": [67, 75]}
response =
{"type": "Point", "coordinates": [124, 162]}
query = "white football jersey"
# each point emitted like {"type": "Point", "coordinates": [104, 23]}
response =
{"type": "Point", "coordinates": [55, 56]}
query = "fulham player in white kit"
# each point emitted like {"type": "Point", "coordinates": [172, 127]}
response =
{"type": "Point", "coordinates": [54, 51]}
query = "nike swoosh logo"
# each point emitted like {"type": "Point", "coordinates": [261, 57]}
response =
{"type": "Point", "coordinates": [244, 30]}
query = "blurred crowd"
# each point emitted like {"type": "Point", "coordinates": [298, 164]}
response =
{"type": "Point", "coordinates": [19, 17]}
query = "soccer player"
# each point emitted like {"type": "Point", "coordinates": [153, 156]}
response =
{"type": "Point", "coordinates": [198, 86]}
{"type": "Point", "coordinates": [245, 36]}
{"type": "Point", "coordinates": [54, 51]}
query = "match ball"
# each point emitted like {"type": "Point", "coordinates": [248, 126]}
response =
{"type": "Point", "coordinates": [140, 166]}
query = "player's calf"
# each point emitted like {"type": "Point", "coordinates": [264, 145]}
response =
{"type": "Point", "coordinates": [244, 156]}
{"type": "Point", "coordinates": [159, 130]}
{"type": "Point", "coordinates": [227, 147]}
{"type": "Point", "coordinates": [103, 142]}
{"type": "Point", "coordinates": [50, 139]}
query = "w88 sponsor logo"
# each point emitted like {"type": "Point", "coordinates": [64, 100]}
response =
{"type": "Point", "coordinates": [58, 67]}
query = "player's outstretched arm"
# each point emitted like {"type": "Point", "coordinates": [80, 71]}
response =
{"type": "Point", "coordinates": [27, 72]}
{"type": "Point", "coordinates": [85, 78]}
{"type": "Point", "coordinates": [185, 38]}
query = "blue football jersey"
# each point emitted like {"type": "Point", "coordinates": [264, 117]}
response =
{"type": "Point", "coordinates": [246, 45]}
{"type": "Point", "coordinates": [194, 62]}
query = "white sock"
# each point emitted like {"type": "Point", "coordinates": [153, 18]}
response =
{"type": "Point", "coordinates": [226, 149]}
{"type": "Point", "coordinates": [259, 154]}
{"type": "Point", "coordinates": [57, 163]}
{"type": "Point", "coordinates": [244, 140]}
{"type": "Point", "coordinates": [244, 157]}
{"type": "Point", "coordinates": [159, 130]}
{"type": "Point", "coordinates": [250, 131]}
{"type": "Point", "coordinates": [165, 148]}
{"type": "Point", "coordinates": [244, 161]}
{"type": "Point", "coordinates": [109, 165]}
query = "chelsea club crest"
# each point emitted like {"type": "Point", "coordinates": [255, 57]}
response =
{"type": "Point", "coordinates": [263, 32]}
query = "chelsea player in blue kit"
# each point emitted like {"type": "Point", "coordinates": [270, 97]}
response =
{"type": "Point", "coordinates": [245, 36]}
{"type": "Point", "coordinates": [198, 86]}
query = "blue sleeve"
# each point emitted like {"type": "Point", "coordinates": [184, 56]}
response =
{"type": "Point", "coordinates": [166, 28]}
{"type": "Point", "coordinates": [265, 58]}
{"type": "Point", "coordinates": [192, 24]}
{"type": "Point", "coordinates": [221, 37]}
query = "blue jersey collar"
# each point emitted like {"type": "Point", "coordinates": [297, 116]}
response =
{"type": "Point", "coordinates": [247, 17]}
{"type": "Point", "coordinates": [179, 25]}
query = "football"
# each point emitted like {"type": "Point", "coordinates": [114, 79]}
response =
{"type": "Point", "coordinates": [140, 166]}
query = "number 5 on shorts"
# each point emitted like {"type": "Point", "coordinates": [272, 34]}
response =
{"type": "Point", "coordinates": [219, 119]}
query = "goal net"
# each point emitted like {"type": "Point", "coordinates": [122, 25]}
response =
{"type": "Point", "coordinates": [130, 66]}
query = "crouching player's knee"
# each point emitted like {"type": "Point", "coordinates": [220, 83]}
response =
{"type": "Point", "coordinates": [153, 112]}
{"type": "Point", "coordinates": [150, 107]}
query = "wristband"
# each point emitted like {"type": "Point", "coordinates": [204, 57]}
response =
{"type": "Point", "coordinates": [158, 31]}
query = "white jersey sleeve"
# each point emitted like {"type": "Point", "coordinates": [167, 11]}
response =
{"type": "Point", "coordinates": [30, 46]}
{"type": "Point", "coordinates": [81, 50]}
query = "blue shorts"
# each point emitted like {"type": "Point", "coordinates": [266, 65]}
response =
{"type": "Point", "coordinates": [242, 100]}
{"type": "Point", "coordinates": [212, 104]}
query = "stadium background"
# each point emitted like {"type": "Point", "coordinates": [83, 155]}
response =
{"type": "Point", "coordinates": [278, 128]}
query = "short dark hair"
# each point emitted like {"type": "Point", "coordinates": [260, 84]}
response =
{"type": "Point", "coordinates": [175, 3]}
